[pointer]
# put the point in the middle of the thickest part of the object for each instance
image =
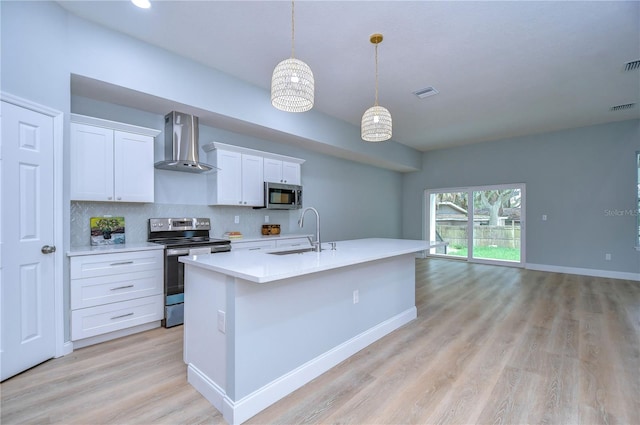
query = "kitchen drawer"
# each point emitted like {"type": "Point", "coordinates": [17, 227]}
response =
{"type": "Point", "coordinates": [110, 264]}
{"type": "Point", "coordinates": [252, 245]}
{"type": "Point", "coordinates": [99, 290]}
{"type": "Point", "coordinates": [302, 242]}
{"type": "Point", "coordinates": [98, 320]}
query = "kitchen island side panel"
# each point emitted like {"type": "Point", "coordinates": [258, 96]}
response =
{"type": "Point", "coordinates": [205, 344]}
{"type": "Point", "coordinates": [281, 325]}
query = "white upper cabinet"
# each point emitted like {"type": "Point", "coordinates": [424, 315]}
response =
{"type": "Point", "coordinates": [279, 171]}
{"type": "Point", "coordinates": [252, 183]}
{"type": "Point", "coordinates": [225, 187]}
{"type": "Point", "coordinates": [111, 162]}
{"type": "Point", "coordinates": [242, 172]}
{"type": "Point", "coordinates": [238, 180]}
{"type": "Point", "coordinates": [91, 163]}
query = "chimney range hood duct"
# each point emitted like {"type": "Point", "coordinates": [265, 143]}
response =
{"type": "Point", "coordinates": [181, 144]}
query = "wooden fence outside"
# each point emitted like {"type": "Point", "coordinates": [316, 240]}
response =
{"type": "Point", "coordinates": [500, 236]}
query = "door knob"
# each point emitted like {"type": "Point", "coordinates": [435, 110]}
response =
{"type": "Point", "coordinates": [46, 249]}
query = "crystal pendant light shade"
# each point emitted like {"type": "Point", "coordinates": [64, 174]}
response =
{"type": "Point", "coordinates": [292, 86]}
{"type": "Point", "coordinates": [376, 124]}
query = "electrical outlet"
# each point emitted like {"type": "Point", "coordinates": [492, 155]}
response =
{"type": "Point", "coordinates": [266, 218]}
{"type": "Point", "coordinates": [544, 217]}
{"type": "Point", "coordinates": [222, 321]}
{"type": "Point", "coordinates": [236, 219]}
{"type": "Point", "coordinates": [607, 257]}
{"type": "Point", "coordinates": [356, 297]}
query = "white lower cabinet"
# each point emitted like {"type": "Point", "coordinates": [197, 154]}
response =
{"type": "Point", "coordinates": [252, 245]}
{"type": "Point", "coordinates": [301, 242]}
{"type": "Point", "coordinates": [282, 241]}
{"type": "Point", "coordinates": [115, 291]}
{"type": "Point", "coordinates": [101, 319]}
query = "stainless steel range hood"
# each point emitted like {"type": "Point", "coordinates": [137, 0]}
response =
{"type": "Point", "coordinates": [181, 148]}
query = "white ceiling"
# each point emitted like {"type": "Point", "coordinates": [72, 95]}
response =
{"type": "Point", "coordinates": [503, 69]}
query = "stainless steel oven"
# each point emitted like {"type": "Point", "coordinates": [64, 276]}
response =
{"type": "Point", "coordinates": [181, 236]}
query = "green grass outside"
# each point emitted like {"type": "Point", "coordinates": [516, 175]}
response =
{"type": "Point", "coordinates": [487, 252]}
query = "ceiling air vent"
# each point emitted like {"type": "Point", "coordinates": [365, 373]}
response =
{"type": "Point", "coordinates": [632, 66]}
{"type": "Point", "coordinates": [426, 92]}
{"type": "Point", "coordinates": [622, 107]}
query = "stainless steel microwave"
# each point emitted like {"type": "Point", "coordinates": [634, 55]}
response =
{"type": "Point", "coordinates": [278, 196]}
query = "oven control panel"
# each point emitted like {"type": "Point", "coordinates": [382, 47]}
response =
{"type": "Point", "coordinates": [168, 224]}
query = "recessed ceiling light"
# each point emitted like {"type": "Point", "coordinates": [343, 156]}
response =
{"type": "Point", "coordinates": [426, 92]}
{"type": "Point", "coordinates": [142, 4]}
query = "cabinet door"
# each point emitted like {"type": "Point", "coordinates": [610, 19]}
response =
{"type": "Point", "coordinates": [290, 172]}
{"type": "Point", "coordinates": [133, 167]}
{"type": "Point", "coordinates": [301, 242]}
{"type": "Point", "coordinates": [252, 245]}
{"type": "Point", "coordinates": [252, 180]}
{"type": "Point", "coordinates": [272, 170]}
{"type": "Point", "coordinates": [91, 163]}
{"type": "Point", "coordinates": [227, 181]}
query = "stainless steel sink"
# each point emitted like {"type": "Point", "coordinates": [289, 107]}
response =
{"type": "Point", "coordinates": [293, 251]}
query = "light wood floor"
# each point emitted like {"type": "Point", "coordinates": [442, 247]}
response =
{"type": "Point", "coordinates": [490, 345]}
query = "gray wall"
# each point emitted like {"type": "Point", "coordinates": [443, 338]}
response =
{"type": "Point", "coordinates": [42, 45]}
{"type": "Point", "coordinates": [576, 177]}
{"type": "Point", "coordinates": [345, 193]}
{"type": "Point", "coordinates": [573, 176]}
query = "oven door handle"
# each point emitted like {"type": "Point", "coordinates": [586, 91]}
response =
{"type": "Point", "coordinates": [176, 252]}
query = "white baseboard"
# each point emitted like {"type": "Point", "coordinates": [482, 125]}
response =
{"type": "Point", "coordinates": [243, 409]}
{"type": "Point", "coordinates": [584, 272]}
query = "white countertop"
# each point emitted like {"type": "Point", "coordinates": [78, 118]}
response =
{"type": "Point", "coordinates": [262, 267]}
{"type": "Point", "coordinates": [110, 249]}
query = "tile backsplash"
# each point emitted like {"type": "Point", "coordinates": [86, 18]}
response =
{"type": "Point", "coordinates": [136, 218]}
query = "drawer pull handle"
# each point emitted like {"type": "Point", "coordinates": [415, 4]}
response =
{"type": "Point", "coordinates": [121, 316]}
{"type": "Point", "coordinates": [254, 249]}
{"type": "Point", "coordinates": [122, 263]}
{"type": "Point", "coordinates": [122, 287]}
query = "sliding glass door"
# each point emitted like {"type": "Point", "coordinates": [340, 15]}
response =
{"type": "Point", "coordinates": [480, 224]}
{"type": "Point", "coordinates": [449, 222]}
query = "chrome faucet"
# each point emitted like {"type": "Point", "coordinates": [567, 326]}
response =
{"type": "Point", "coordinates": [316, 244]}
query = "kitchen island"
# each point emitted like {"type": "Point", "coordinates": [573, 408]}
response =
{"type": "Point", "coordinates": [260, 325]}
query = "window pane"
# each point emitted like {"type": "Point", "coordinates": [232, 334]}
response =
{"type": "Point", "coordinates": [450, 210]}
{"type": "Point", "coordinates": [496, 224]}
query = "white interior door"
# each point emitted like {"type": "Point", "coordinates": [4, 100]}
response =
{"type": "Point", "coordinates": [27, 282]}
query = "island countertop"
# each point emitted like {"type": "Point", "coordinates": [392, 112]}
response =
{"type": "Point", "coordinates": [262, 267]}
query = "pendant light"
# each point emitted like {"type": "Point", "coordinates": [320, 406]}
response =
{"type": "Point", "coordinates": [292, 85]}
{"type": "Point", "coordinates": [376, 121]}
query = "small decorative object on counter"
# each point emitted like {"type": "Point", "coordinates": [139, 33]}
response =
{"type": "Point", "coordinates": [233, 235]}
{"type": "Point", "coordinates": [107, 230]}
{"type": "Point", "coordinates": [270, 229]}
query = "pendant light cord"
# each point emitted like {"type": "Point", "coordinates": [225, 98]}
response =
{"type": "Point", "coordinates": [376, 102]}
{"type": "Point", "coordinates": [292, 29]}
